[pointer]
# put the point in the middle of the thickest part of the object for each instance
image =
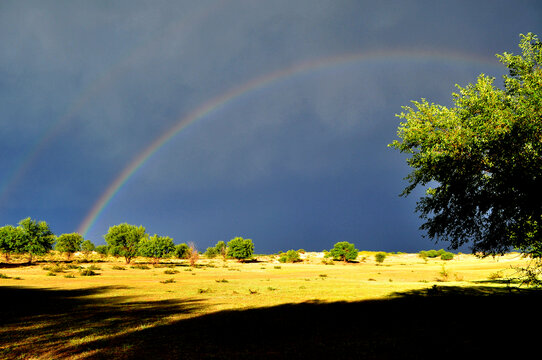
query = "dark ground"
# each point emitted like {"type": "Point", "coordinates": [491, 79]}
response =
{"type": "Point", "coordinates": [444, 322]}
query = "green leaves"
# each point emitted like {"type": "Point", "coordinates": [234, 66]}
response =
{"type": "Point", "coordinates": [124, 239]}
{"type": "Point", "coordinates": [485, 156]}
{"type": "Point", "coordinates": [239, 248]}
{"type": "Point", "coordinates": [344, 251]}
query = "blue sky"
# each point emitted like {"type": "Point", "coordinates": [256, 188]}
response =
{"type": "Point", "coordinates": [296, 161]}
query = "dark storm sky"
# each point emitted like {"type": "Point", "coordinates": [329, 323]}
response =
{"type": "Point", "coordinates": [295, 159]}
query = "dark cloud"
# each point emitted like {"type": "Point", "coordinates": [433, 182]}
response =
{"type": "Point", "coordinates": [301, 162]}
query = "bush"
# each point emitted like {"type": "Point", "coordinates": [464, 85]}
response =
{"type": "Point", "coordinates": [102, 250]}
{"type": "Point", "coordinates": [211, 252]}
{"type": "Point", "coordinates": [182, 251]}
{"type": "Point", "coordinates": [291, 256]}
{"type": "Point", "coordinates": [344, 251]}
{"type": "Point", "coordinates": [447, 256]}
{"type": "Point", "coordinates": [88, 272]}
{"type": "Point", "coordinates": [380, 256]}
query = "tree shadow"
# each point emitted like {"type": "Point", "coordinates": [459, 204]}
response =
{"type": "Point", "coordinates": [50, 323]}
{"type": "Point", "coordinates": [438, 322]}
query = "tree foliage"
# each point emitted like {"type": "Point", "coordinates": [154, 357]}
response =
{"type": "Point", "coordinates": [156, 247]}
{"type": "Point", "coordinates": [87, 246]}
{"type": "Point", "coordinates": [37, 238]}
{"type": "Point", "coordinates": [182, 251]}
{"type": "Point", "coordinates": [240, 249]}
{"type": "Point", "coordinates": [290, 256]}
{"type": "Point", "coordinates": [123, 239]}
{"type": "Point", "coordinates": [482, 158]}
{"type": "Point", "coordinates": [11, 240]}
{"type": "Point", "coordinates": [69, 243]}
{"type": "Point", "coordinates": [344, 251]}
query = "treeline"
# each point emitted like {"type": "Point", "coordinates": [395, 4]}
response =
{"type": "Point", "coordinates": [35, 238]}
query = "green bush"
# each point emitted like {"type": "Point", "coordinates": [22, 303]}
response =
{"type": "Point", "coordinates": [182, 251]}
{"type": "Point", "coordinates": [291, 256]}
{"type": "Point", "coordinates": [211, 252]}
{"type": "Point", "coordinates": [380, 256]}
{"type": "Point", "coordinates": [88, 272]}
{"type": "Point", "coordinates": [447, 256]}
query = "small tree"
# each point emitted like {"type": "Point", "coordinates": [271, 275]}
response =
{"type": "Point", "coordinates": [182, 251]}
{"type": "Point", "coordinates": [11, 240]}
{"type": "Point", "coordinates": [125, 239]}
{"type": "Point", "coordinates": [102, 250]}
{"type": "Point", "coordinates": [87, 247]}
{"type": "Point", "coordinates": [156, 247]}
{"type": "Point", "coordinates": [291, 256]}
{"type": "Point", "coordinates": [194, 255]}
{"type": "Point", "coordinates": [211, 252]}
{"type": "Point", "coordinates": [240, 249]}
{"type": "Point", "coordinates": [37, 238]}
{"type": "Point", "coordinates": [380, 257]}
{"type": "Point", "coordinates": [69, 243]}
{"type": "Point", "coordinates": [221, 249]}
{"type": "Point", "coordinates": [344, 251]}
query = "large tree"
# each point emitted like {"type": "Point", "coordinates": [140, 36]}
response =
{"type": "Point", "coordinates": [37, 238]}
{"type": "Point", "coordinates": [480, 161]}
{"type": "Point", "coordinates": [124, 239]}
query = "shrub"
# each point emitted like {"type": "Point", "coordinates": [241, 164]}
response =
{"type": "Point", "coordinates": [117, 267]}
{"type": "Point", "coordinates": [380, 256]}
{"type": "Point", "coordinates": [87, 247]}
{"type": "Point", "coordinates": [182, 251]}
{"type": "Point", "coordinates": [211, 252]}
{"type": "Point", "coordinates": [291, 256]}
{"type": "Point", "coordinates": [170, 271]}
{"type": "Point", "coordinates": [168, 281]}
{"type": "Point", "coordinates": [55, 268]}
{"type": "Point", "coordinates": [344, 251]}
{"type": "Point", "coordinates": [102, 250]}
{"type": "Point", "coordinates": [446, 256]}
{"type": "Point", "coordinates": [140, 267]}
{"type": "Point", "coordinates": [88, 272]}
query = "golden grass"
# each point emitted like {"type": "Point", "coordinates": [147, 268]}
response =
{"type": "Point", "coordinates": [213, 285]}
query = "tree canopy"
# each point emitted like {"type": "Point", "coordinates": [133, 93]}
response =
{"type": "Point", "coordinates": [11, 240]}
{"type": "Point", "coordinates": [480, 161]}
{"type": "Point", "coordinates": [345, 251]}
{"type": "Point", "coordinates": [37, 238]}
{"type": "Point", "coordinates": [123, 239]}
{"type": "Point", "coordinates": [69, 243]}
{"type": "Point", "coordinates": [156, 247]}
{"type": "Point", "coordinates": [240, 249]}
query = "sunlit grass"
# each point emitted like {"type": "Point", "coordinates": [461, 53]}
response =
{"type": "Point", "coordinates": [225, 285]}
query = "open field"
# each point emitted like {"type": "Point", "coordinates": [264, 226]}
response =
{"type": "Point", "coordinates": [264, 309]}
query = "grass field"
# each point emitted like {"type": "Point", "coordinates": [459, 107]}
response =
{"type": "Point", "coordinates": [263, 309]}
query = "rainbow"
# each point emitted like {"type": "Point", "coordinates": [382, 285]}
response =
{"type": "Point", "coordinates": [218, 102]}
{"type": "Point", "coordinates": [93, 89]}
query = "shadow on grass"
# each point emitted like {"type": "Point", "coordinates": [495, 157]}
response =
{"type": "Point", "coordinates": [48, 323]}
{"type": "Point", "coordinates": [439, 322]}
